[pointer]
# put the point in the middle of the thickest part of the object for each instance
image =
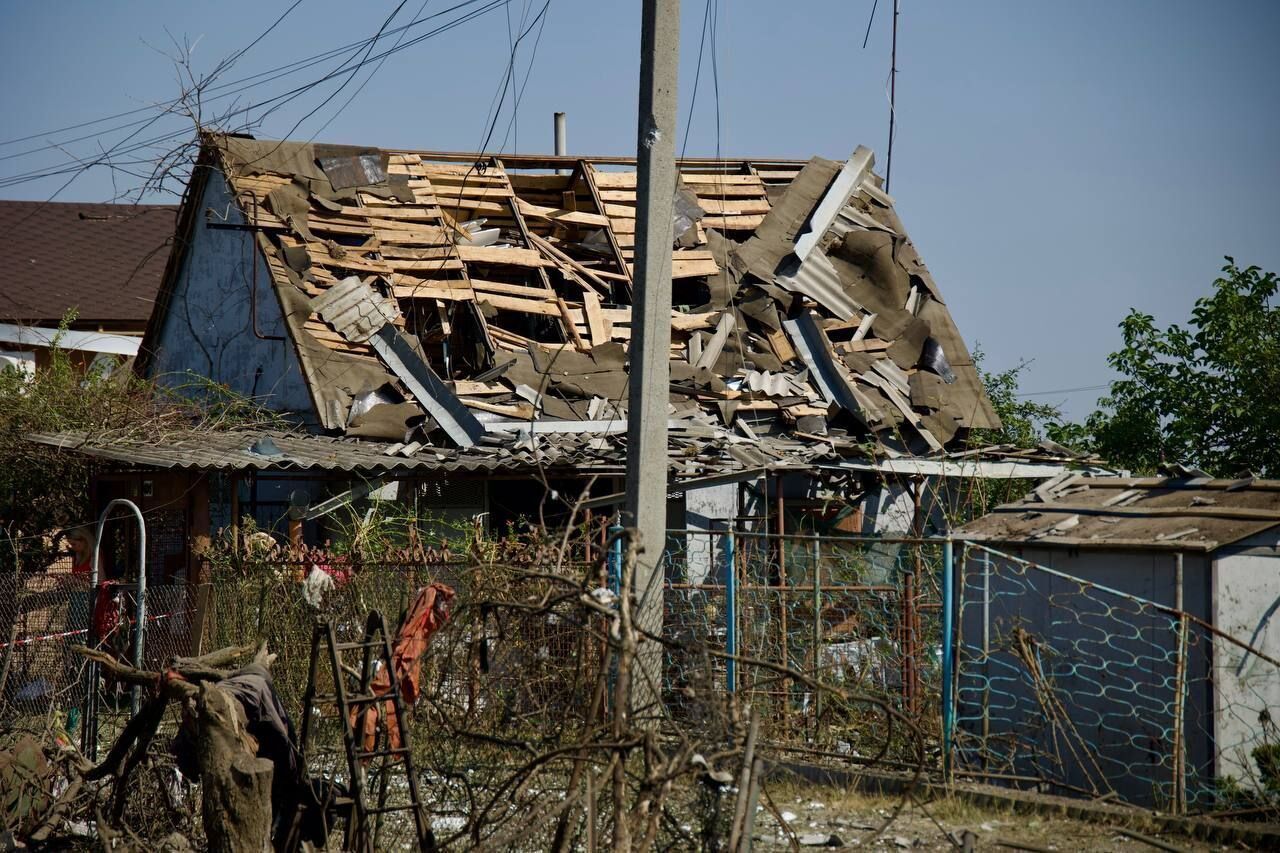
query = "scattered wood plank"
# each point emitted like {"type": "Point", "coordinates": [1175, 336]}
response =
{"type": "Point", "coordinates": [433, 290]}
{"type": "Point", "coordinates": [574, 217]}
{"type": "Point", "coordinates": [513, 256]}
{"type": "Point", "coordinates": [545, 307]}
{"type": "Point", "coordinates": [598, 327]}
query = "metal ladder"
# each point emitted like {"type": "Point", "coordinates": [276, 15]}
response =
{"type": "Point", "coordinates": [353, 688]}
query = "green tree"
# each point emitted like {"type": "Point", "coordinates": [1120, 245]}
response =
{"type": "Point", "coordinates": [1023, 423]}
{"type": "Point", "coordinates": [1206, 394]}
{"type": "Point", "coordinates": [43, 489]}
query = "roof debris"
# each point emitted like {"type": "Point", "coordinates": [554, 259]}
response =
{"type": "Point", "coordinates": [803, 312]}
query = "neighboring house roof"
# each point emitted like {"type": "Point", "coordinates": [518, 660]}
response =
{"type": "Point", "coordinates": [105, 261]}
{"type": "Point", "coordinates": [1183, 514]}
{"type": "Point", "coordinates": [803, 310]}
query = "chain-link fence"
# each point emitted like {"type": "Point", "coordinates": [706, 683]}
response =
{"type": "Point", "coordinates": [1078, 687]}
{"type": "Point", "coordinates": [44, 615]}
{"type": "Point", "coordinates": [857, 614]}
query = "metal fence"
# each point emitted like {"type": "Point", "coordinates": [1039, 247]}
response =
{"type": "Point", "coordinates": [856, 614]}
{"type": "Point", "coordinates": [44, 615]}
{"type": "Point", "coordinates": [1076, 687]}
{"type": "Point", "coordinates": [1049, 681]}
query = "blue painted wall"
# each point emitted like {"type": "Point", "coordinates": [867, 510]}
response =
{"type": "Point", "coordinates": [209, 327]}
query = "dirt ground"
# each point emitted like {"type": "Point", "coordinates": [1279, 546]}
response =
{"type": "Point", "coordinates": [841, 819]}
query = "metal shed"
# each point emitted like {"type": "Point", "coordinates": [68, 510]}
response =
{"type": "Point", "coordinates": [1120, 637]}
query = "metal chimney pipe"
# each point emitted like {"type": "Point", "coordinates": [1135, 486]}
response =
{"type": "Point", "coordinates": [562, 140]}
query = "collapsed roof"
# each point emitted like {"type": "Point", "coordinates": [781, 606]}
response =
{"type": "Point", "coordinates": [435, 296]}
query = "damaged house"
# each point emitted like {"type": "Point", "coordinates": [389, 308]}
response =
{"type": "Point", "coordinates": [461, 322]}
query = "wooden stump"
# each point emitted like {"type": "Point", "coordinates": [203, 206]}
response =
{"type": "Point", "coordinates": [236, 784]}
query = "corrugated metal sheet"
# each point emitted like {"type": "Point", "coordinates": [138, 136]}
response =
{"type": "Point", "coordinates": [241, 451]}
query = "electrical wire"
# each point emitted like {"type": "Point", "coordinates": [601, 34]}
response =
{"type": "Point", "coordinates": [235, 86]}
{"type": "Point", "coordinates": [270, 104]}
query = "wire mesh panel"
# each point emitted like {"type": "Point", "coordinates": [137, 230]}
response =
{"type": "Point", "coordinates": [41, 617]}
{"type": "Point", "coordinates": [847, 615]}
{"type": "Point", "coordinates": [1086, 689]}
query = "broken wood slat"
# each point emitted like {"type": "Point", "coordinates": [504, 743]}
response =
{"type": "Point", "coordinates": [614, 179]}
{"type": "Point", "coordinates": [619, 211]}
{"type": "Point", "coordinates": [511, 289]}
{"type": "Point", "coordinates": [390, 252]}
{"type": "Point", "coordinates": [321, 225]}
{"type": "Point", "coordinates": [447, 195]}
{"type": "Point", "coordinates": [260, 184]}
{"type": "Point", "coordinates": [475, 179]}
{"type": "Point", "coordinates": [575, 270]}
{"type": "Point", "coordinates": [718, 178]}
{"type": "Point", "coordinates": [574, 217]}
{"type": "Point", "coordinates": [520, 341]}
{"type": "Point", "coordinates": [404, 169]}
{"type": "Point", "coordinates": [473, 207]}
{"type": "Point", "coordinates": [598, 328]}
{"type": "Point", "coordinates": [781, 346]}
{"type": "Point", "coordinates": [732, 223]}
{"type": "Point", "coordinates": [512, 257]}
{"type": "Point", "coordinates": [421, 197]}
{"type": "Point", "coordinates": [525, 306]}
{"type": "Point", "coordinates": [623, 196]}
{"type": "Point", "coordinates": [866, 345]}
{"type": "Point", "coordinates": [470, 388]}
{"type": "Point", "coordinates": [453, 168]}
{"type": "Point", "coordinates": [431, 290]}
{"type": "Point", "coordinates": [688, 268]}
{"type": "Point", "coordinates": [430, 265]}
{"type": "Point", "coordinates": [520, 411]}
{"type": "Point", "coordinates": [625, 225]}
{"type": "Point", "coordinates": [732, 191]}
{"type": "Point", "coordinates": [427, 235]}
{"type": "Point", "coordinates": [680, 322]}
{"type": "Point", "coordinates": [351, 261]}
{"type": "Point", "coordinates": [777, 174]}
{"type": "Point", "coordinates": [404, 211]}
{"type": "Point", "coordinates": [366, 224]}
{"type": "Point", "coordinates": [570, 326]}
{"type": "Point", "coordinates": [715, 206]}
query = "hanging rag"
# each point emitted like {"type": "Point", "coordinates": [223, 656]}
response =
{"type": "Point", "coordinates": [427, 614]}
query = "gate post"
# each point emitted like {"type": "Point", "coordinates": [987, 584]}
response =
{"type": "Point", "coordinates": [730, 613]}
{"type": "Point", "coordinates": [948, 651]}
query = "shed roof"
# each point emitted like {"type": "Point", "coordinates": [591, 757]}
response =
{"type": "Point", "coordinates": [801, 303]}
{"type": "Point", "coordinates": [105, 261]}
{"type": "Point", "coordinates": [1184, 514]}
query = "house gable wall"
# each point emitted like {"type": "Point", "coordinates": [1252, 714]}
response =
{"type": "Point", "coordinates": [208, 329]}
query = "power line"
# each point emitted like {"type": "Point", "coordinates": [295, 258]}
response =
{"type": "Point", "coordinates": [271, 75]}
{"type": "Point", "coordinates": [1064, 391]}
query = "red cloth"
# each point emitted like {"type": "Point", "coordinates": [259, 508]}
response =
{"type": "Point", "coordinates": [427, 614]}
{"type": "Point", "coordinates": [106, 616]}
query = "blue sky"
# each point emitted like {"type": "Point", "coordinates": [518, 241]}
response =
{"type": "Point", "coordinates": [1055, 163]}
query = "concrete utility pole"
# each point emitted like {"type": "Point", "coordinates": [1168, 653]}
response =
{"type": "Point", "coordinates": [650, 379]}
